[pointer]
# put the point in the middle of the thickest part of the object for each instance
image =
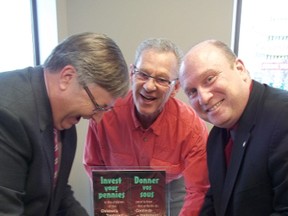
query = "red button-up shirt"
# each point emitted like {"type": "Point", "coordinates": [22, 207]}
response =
{"type": "Point", "coordinates": [176, 141]}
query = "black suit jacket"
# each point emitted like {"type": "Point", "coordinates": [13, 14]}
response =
{"type": "Point", "coordinates": [27, 150]}
{"type": "Point", "coordinates": [256, 181]}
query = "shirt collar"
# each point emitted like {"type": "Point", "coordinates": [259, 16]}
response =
{"type": "Point", "coordinates": [155, 127]}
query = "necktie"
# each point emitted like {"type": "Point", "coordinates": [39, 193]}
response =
{"type": "Point", "coordinates": [56, 155]}
{"type": "Point", "coordinates": [228, 147]}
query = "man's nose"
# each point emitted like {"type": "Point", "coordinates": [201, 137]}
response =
{"type": "Point", "coordinates": [150, 84]}
{"type": "Point", "coordinates": [204, 96]}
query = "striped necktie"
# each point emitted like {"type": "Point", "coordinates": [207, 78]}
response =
{"type": "Point", "coordinates": [57, 145]}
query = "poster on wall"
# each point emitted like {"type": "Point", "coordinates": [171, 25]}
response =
{"type": "Point", "coordinates": [263, 41]}
{"type": "Point", "coordinates": [129, 192]}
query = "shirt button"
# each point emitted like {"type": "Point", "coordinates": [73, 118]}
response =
{"type": "Point", "coordinates": [145, 139]}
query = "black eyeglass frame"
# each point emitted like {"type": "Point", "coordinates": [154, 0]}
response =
{"type": "Point", "coordinates": [98, 108]}
{"type": "Point", "coordinates": [169, 82]}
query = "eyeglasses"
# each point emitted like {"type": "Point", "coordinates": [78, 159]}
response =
{"type": "Point", "coordinates": [98, 108]}
{"type": "Point", "coordinates": [140, 75]}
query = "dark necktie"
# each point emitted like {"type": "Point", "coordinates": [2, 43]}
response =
{"type": "Point", "coordinates": [228, 147]}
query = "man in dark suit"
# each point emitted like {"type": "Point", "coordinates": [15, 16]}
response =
{"type": "Point", "coordinates": [39, 106]}
{"type": "Point", "coordinates": [247, 148]}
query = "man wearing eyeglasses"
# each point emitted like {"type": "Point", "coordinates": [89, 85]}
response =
{"type": "Point", "coordinates": [39, 107]}
{"type": "Point", "coordinates": [150, 127]}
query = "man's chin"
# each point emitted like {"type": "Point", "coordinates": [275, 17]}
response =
{"type": "Point", "coordinates": [69, 124]}
{"type": "Point", "coordinates": [148, 113]}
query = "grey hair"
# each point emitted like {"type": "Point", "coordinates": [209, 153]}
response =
{"type": "Point", "coordinates": [161, 45]}
{"type": "Point", "coordinates": [96, 58]}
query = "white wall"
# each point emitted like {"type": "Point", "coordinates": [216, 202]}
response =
{"type": "Point", "coordinates": [129, 22]}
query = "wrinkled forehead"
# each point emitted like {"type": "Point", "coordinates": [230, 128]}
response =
{"type": "Point", "coordinates": [165, 61]}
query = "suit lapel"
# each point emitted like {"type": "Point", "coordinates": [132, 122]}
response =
{"type": "Point", "coordinates": [237, 156]}
{"type": "Point", "coordinates": [216, 162]}
{"type": "Point", "coordinates": [48, 146]}
{"type": "Point", "coordinates": [241, 143]}
{"type": "Point", "coordinates": [44, 116]}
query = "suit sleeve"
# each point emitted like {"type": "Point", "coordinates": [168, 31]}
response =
{"type": "Point", "coordinates": [15, 154]}
{"type": "Point", "coordinates": [70, 206]}
{"type": "Point", "coordinates": [207, 208]}
{"type": "Point", "coordinates": [278, 164]}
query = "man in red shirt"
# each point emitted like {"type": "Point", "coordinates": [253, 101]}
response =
{"type": "Point", "coordinates": [150, 127]}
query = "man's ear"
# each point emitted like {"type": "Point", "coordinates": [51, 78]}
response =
{"type": "Point", "coordinates": [239, 65]}
{"type": "Point", "coordinates": [175, 89]}
{"type": "Point", "coordinates": [131, 66]}
{"type": "Point", "coordinates": [66, 76]}
{"type": "Point", "coordinates": [242, 69]}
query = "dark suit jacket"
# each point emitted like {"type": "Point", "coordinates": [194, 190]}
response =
{"type": "Point", "coordinates": [256, 181]}
{"type": "Point", "coordinates": [27, 150]}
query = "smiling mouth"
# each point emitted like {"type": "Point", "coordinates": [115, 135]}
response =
{"type": "Point", "coordinates": [215, 106]}
{"type": "Point", "coordinates": [148, 98]}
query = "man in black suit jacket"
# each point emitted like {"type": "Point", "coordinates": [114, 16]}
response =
{"type": "Point", "coordinates": [252, 178]}
{"type": "Point", "coordinates": [82, 77]}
